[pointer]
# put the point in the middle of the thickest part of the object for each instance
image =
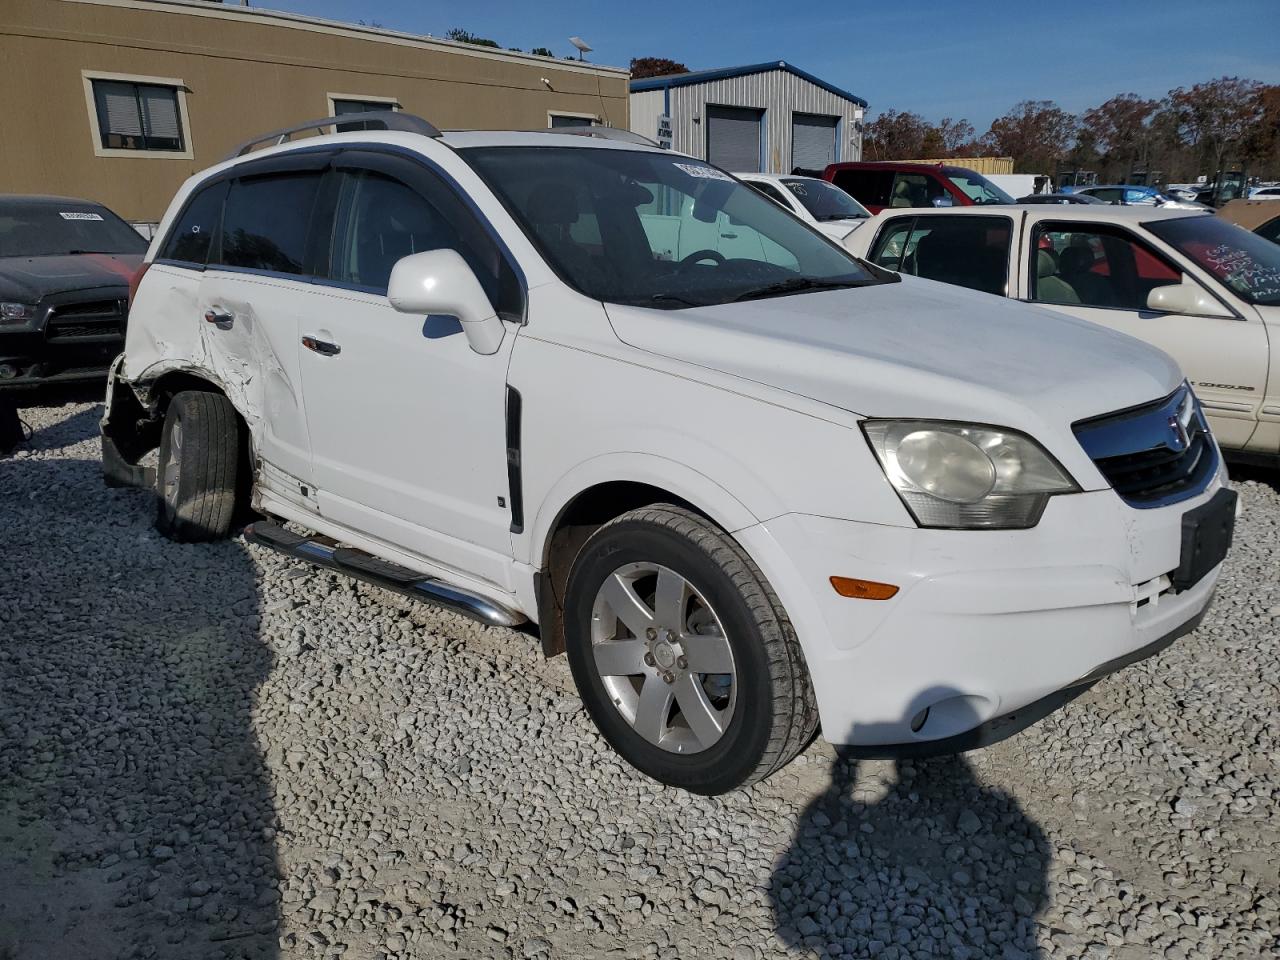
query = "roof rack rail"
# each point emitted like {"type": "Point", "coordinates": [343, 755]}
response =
{"type": "Point", "coordinates": [388, 119]}
{"type": "Point", "coordinates": [604, 133]}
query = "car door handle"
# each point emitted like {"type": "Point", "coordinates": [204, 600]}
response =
{"type": "Point", "coordinates": [322, 347]}
{"type": "Point", "coordinates": [219, 319]}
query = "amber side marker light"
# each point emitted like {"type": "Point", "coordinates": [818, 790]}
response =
{"type": "Point", "coordinates": [863, 589]}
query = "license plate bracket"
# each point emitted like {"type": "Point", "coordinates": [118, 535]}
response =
{"type": "Point", "coordinates": [1206, 537]}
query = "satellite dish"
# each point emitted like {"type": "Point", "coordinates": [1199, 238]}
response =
{"type": "Point", "coordinates": [582, 45]}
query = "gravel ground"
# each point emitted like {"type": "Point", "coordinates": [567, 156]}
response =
{"type": "Point", "coordinates": [208, 751]}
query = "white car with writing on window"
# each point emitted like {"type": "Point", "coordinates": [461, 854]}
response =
{"type": "Point", "coordinates": [823, 205]}
{"type": "Point", "coordinates": [1204, 290]}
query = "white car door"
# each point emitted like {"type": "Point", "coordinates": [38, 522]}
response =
{"type": "Point", "coordinates": [250, 299]}
{"type": "Point", "coordinates": [407, 422]}
{"type": "Point", "coordinates": [1104, 273]}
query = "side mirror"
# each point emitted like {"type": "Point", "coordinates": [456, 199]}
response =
{"type": "Point", "coordinates": [440, 282]}
{"type": "Point", "coordinates": [943, 201]}
{"type": "Point", "coordinates": [1186, 297]}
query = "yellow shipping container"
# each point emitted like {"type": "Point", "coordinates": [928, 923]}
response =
{"type": "Point", "coordinates": [983, 165]}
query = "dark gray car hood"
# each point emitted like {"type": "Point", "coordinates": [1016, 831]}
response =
{"type": "Point", "coordinates": [28, 279]}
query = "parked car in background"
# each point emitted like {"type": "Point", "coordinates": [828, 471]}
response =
{"type": "Point", "coordinates": [1060, 198]}
{"type": "Point", "coordinates": [814, 201]}
{"type": "Point", "coordinates": [894, 184]}
{"type": "Point", "coordinates": [65, 266]}
{"type": "Point", "coordinates": [742, 493]}
{"type": "Point", "coordinates": [1017, 184]}
{"type": "Point", "coordinates": [1269, 192]}
{"type": "Point", "coordinates": [1181, 191]}
{"type": "Point", "coordinates": [1260, 216]}
{"type": "Point", "coordinates": [1140, 196]}
{"type": "Point", "coordinates": [1223, 187]}
{"type": "Point", "coordinates": [1202, 289]}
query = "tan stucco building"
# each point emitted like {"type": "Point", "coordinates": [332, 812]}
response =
{"type": "Point", "coordinates": [120, 100]}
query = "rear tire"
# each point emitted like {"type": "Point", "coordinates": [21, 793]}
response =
{"type": "Point", "coordinates": [709, 727]}
{"type": "Point", "coordinates": [196, 479]}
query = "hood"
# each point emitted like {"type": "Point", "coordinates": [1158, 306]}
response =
{"type": "Point", "coordinates": [28, 279]}
{"type": "Point", "coordinates": [914, 349]}
{"type": "Point", "coordinates": [840, 230]}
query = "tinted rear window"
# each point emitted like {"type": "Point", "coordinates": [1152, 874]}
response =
{"type": "Point", "coordinates": [42, 229]}
{"type": "Point", "coordinates": [192, 235]}
{"type": "Point", "coordinates": [265, 220]}
{"type": "Point", "coordinates": [868, 187]}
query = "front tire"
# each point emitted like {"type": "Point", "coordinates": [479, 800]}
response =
{"type": "Point", "coordinates": [683, 654]}
{"type": "Point", "coordinates": [196, 479]}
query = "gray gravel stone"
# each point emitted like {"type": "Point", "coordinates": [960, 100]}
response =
{"type": "Point", "coordinates": [214, 753]}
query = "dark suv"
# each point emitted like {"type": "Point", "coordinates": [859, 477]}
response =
{"type": "Point", "coordinates": [900, 183]}
{"type": "Point", "coordinates": [65, 267]}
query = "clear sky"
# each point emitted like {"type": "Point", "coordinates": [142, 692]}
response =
{"type": "Point", "coordinates": [971, 59]}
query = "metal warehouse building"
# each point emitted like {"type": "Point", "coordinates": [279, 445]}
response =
{"type": "Point", "coordinates": [120, 100]}
{"type": "Point", "coordinates": [768, 117]}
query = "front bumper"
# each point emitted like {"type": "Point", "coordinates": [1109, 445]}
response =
{"type": "Point", "coordinates": [990, 630]}
{"type": "Point", "coordinates": [72, 340]}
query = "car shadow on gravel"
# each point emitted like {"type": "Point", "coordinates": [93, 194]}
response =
{"type": "Point", "coordinates": [76, 428]}
{"type": "Point", "coordinates": [136, 812]}
{"type": "Point", "coordinates": [910, 859]}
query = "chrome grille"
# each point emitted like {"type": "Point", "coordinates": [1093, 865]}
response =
{"type": "Point", "coordinates": [1155, 454]}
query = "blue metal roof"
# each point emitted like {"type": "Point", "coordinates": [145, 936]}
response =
{"type": "Point", "coordinates": [724, 73]}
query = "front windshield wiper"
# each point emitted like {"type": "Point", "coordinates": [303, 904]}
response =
{"type": "Point", "coordinates": [676, 298]}
{"type": "Point", "coordinates": [795, 285]}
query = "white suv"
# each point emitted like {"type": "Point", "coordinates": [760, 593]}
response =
{"type": "Point", "coordinates": [510, 373]}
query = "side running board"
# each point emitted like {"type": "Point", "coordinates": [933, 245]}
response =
{"type": "Point", "coordinates": [381, 573]}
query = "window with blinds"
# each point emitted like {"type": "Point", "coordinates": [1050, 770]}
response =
{"type": "Point", "coordinates": [138, 116]}
{"type": "Point", "coordinates": [565, 120]}
{"type": "Point", "coordinates": [343, 107]}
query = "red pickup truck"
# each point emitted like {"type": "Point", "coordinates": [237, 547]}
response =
{"type": "Point", "coordinates": [878, 186]}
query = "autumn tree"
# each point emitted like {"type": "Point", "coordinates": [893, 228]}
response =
{"type": "Point", "coordinates": [1216, 116]}
{"type": "Point", "coordinates": [1036, 133]}
{"type": "Point", "coordinates": [955, 136]}
{"type": "Point", "coordinates": [895, 136]}
{"type": "Point", "coordinates": [642, 67]}
{"type": "Point", "coordinates": [1262, 143]}
{"type": "Point", "coordinates": [1120, 131]}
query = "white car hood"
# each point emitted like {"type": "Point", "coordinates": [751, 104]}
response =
{"type": "Point", "coordinates": [838, 230]}
{"type": "Point", "coordinates": [915, 349]}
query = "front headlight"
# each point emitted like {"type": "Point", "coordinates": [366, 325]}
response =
{"type": "Point", "coordinates": [959, 475]}
{"type": "Point", "coordinates": [16, 312]}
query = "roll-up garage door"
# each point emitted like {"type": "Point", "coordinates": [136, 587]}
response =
{"type": "Point", "coordinates": [813, 141]}
{"type": "Point", "coordinates": [733, 138]}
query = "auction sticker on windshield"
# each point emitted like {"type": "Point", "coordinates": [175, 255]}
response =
{"type": "Point", "coordinates": [80, 216]}
{"type": "Point", "coordinates": [704, 173]}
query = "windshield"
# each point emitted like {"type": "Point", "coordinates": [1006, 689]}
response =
{"type": "Point", "coordinates": [657, 229]}
{"type": "Point", "coordinates": [977, 187]}
{"type": "Point", "coordinates": [825, 201]}
{"type": "Point", "coordinates": [1245, 262]}
{"type": "Point", "coordinates": [53, 229]}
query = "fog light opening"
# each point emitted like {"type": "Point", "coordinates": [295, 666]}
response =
{"type": "Point", "coordinates": [8, 371]}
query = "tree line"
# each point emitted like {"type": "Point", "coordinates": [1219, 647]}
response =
{"type": "Point", "coordinates": [1227, 122]}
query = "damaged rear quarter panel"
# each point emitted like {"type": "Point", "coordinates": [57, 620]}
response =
{"type": "Point", "coordinates": [254, 362]}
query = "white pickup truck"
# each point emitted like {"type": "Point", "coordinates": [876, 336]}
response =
{"type": "Point", "coordinates": [744, 492]}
